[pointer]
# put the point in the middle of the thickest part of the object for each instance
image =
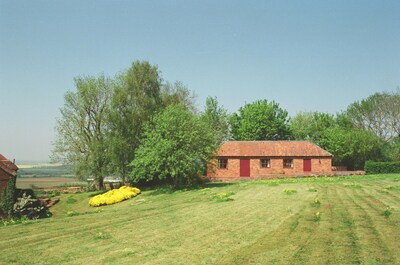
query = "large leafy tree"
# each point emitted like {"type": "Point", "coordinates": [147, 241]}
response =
{"type": "Point", "coordinates": [136, 98]}
{"type": "Point", "coordinates": [217, 119]}
{"type": "Point", "coordinates": [82, 127]}
{"type": "Point", "coordinates": [351, 147]}
{"type": "Point", "coordinates": [175, 147]}
{"type": "Point", "coordinates": [260, 120]}
{"type": "Point", "coordinates": [379, 113]}
{"type": "Point", "coordinates": [311, 126]}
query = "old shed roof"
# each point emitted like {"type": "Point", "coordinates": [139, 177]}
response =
{"type": "Point", "coordinates": [271, 149]}
{"type": "Point", "coordinates": [8, 166]}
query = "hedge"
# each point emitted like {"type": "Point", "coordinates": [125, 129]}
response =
{"type": "Point", "coordinates": [372, 167]}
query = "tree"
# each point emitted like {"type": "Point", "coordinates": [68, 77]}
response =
{"type": "Point", "coordinates": [136, 98]}
{"type": "Point", "coordinates": [351, 147]}
{"type": "Point", "coordinates": [178, 93]}
{"type": "Point", "coordinates": [82, 128]}
{"type": "Point", "coordinates": [379, 113]}
{"type": "Point", "coordinates": [217, 119]}
{"type": "Point", "coordinates": [260, 120]}
{"type": "Point", "coordinates": [175, 147]}
{"type": "Point", "coordinates": [311, 126]}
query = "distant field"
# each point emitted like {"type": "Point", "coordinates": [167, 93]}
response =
{"type": "Point", "coordinates": [47, 182]}
{"type": "Point", "coordinates": [45, 170]}
{"type": "Point", "coordinates": [25, 166]}
{"type": "Point", "coordinates": [336, 220]}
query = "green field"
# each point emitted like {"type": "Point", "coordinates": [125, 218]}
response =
{"type": "Point", "coordinates": [47, 182]}
{"type": "Point", "coordinates": [342, 220]}
{"type": "Point", "coordinates": [45, 170]}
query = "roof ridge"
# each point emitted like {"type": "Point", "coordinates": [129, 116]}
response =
{"type": "Point", "coordinates": [272, 148]}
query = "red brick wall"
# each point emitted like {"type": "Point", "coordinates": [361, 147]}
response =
{"type": "Point", "coordinates": [319, 166]}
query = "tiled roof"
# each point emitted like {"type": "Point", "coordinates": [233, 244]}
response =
{"type": "Point", "coordinates": [271, 149]}
{"type": "Point", "coordinates": [8, 166]}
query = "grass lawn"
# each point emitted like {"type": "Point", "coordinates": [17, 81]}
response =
{"type": "Point", "coordinates": [342, 220]}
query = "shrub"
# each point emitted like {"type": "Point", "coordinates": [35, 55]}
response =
{"type": "Point", "coordinates": [372, 167]}
{"type": "Point", "coordinates": [29, 207]}
{"type": "Point", "coordinates": [53, 194]}
{"type": "Point", "coordinates": [114, 196]}
{"type": "Point", "coordinates": [7, 198]}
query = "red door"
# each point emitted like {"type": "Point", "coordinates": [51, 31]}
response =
{"type": "Point", "coordinates": [245, 167]}
{"type": "Point", "coordinates": [307, 165]}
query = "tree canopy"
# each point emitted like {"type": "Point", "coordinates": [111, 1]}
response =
{"type": "Point", "coordinates": [260, 120]}
{"type": "Point", "coordinates": [176, 145]}
{"type": "Point", "coordinates": [311, 126]}
{"type": "Point", "coordinates": [217, 119]}
{"type": "Point", "coordinates": [82, 127]}
{"type": "Point", "coordinates": [379, 113]}
{"type": "Point", "coordinates": [136, 98]}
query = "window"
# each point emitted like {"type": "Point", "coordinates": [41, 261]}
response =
{"type": "Point", "coordinates": [287, 163]}
{"type": "Point", "coordinates": [222, 163]}
{"type": "Point", "coordinates": [265, 163]}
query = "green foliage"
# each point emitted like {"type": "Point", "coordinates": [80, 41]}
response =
{"type": "Point", "coordinates": [7, 198]}
{"type": "Point", "coordinates": [311, 126]}
{"type": "Point", "coordinates": [391, 150]}
{"type": "Point", "coordinates": [372, 167]}
{"type": "Point", "coordinates": [379, 113]}
{"type": "Point", "coordinates": [175, 147]}
{"type": "Point", "coordinates": [30, 208]}
{"type": "Point", "coordinates": [217, 119]}
{"type": "Point", "coordinates": [178, 93]}
{"type": "Point", "coordinates": [351, 147]}
{"type": "Point", "coordinates": [260, 120]}
{"type": "Point", "coordinates": [81, 130]}
{"type": "Point", "coordinates": [135, 99]}
{"type": "Point", "coordinates": [53, 194]}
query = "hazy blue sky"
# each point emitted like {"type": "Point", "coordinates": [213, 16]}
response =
{"type": "Point", "coordinates": [306, 55]}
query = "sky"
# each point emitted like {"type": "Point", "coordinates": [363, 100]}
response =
{"type": "Point", "coordinates": [305, 55]}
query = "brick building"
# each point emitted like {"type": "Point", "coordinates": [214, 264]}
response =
{"type": "Point", "coordinates": [8, 170]}
{"type": "Point", "coordinates": [268, 159]}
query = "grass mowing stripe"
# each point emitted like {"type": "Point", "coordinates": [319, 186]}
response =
{"type": "Point", "coordinates": [343, 233]}
{"type": "Point", "coordinates": [384, 227]}
{"type": "Point", "coordinates": [374, 248]}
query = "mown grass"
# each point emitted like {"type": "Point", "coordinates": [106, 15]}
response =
{"type": "Point", "coordinates": [342, 220]}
